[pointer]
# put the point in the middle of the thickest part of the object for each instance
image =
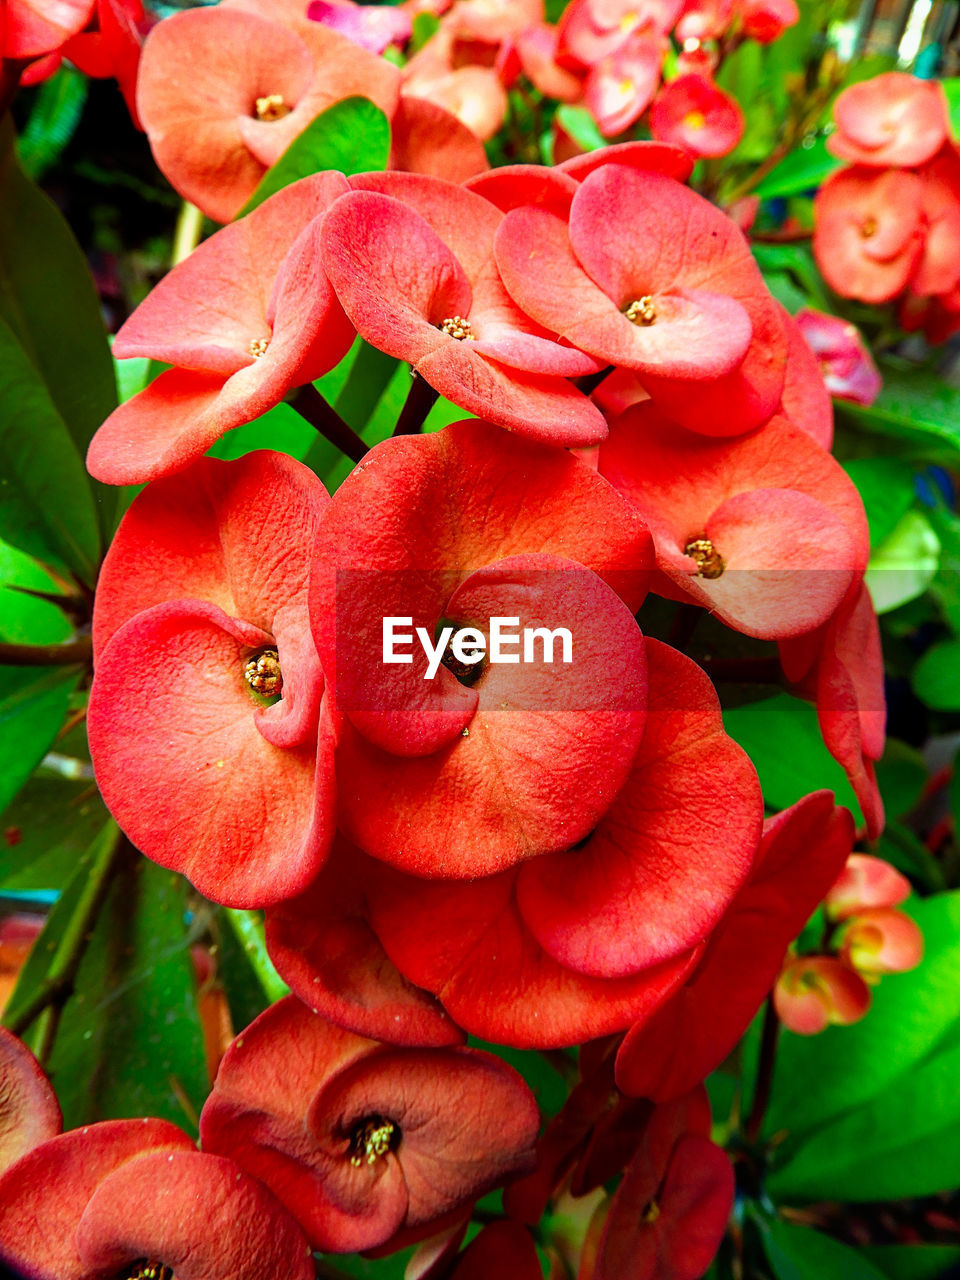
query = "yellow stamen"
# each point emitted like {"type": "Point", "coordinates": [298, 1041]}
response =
{"type": "Point", "coordinates": [709, 560]}
{"type": "Point", "coordinates": [694, 120]}
{"type": "Point", "coordinates": [457, 327]}
{"type": "Point", "coordinates": [868, 228]}
{"type": "Point", "coordinates": [262, 673]}
{"type": "Point", "coordinates": [372, 1141]}
{"type": "Point", "coordinates": [258, 347]}
{"type": "Point", "coordinates": [642, 312]}
{"type": "Point", "coordinates": [271, 107]}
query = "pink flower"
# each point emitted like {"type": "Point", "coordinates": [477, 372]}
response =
{"type": "Point", "coordinates": [845, 362]}
{"type": "Point", "coordinates": [893, 119]}
{"type": "Point", "coordinates": [694, 113]}
{"type": "Point", "coordinates": [29, 1111]}
{"type": "Point", "coordinates": [865, 882]}
{"type": "Point", "coordinates": [371, 26]}
{"type": "Point", "coordinates": [814, 992]}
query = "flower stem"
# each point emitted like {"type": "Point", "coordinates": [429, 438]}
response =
{"type": "Point", "coordinates": [73, 652]}
{"type": "Point", "coordinates": [765, 1067]}
{"type": "Point", "coordinates": [187, 235]}
{"type": "Point", "coordinates": [46, 1002]}
{"type": "Point", "coordinates": [310, 404]}
{"type": "Point", "coordinates": [248, 930]}
{"type": "Point", "coordinates": [417, 405]}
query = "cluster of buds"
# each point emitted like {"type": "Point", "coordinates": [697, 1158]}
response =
{"type": "Point", "coordinates": [888, 224]}
{"type": "Point", "coordinates": [865, 938]}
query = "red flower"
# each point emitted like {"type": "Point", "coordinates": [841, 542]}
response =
{"type": "Point", "coordinates": [222, 93]}
{"type": "Point", "coordinates": [620, 87]}
{"type": "Point", "coordinates": [370, 26]}
{"type": "Point", "coordinates": [572, 945]}
{"type": "Point", "coordinates": [201, 621]}
{"type": "Point", "coordinates": [502, 1249]}
{"type": "Point", "coordinates": [592, 30]}
{"type": "Point", "coordinates": [766, 531]}
{"type": "Point", "coordinates": [694, 113]}
{"type": "Point", "coordinates": [411, 259]}
{"type": "Point", "coordinates": [802, 849]}
{"type": "Point", "coordinates": [846, 363]}
{"type": "Point", "coordinates": [893, 119]}
{"type": "Point", "coordinates": [362, 1141]}
{"type": "Point", "coordinates": [865, 882]}
{"type": "Point", "coordinates": [766, 20]}
{"type": "Point", "coordinates": [840, 666]}
{"type": "Point", "coordinates": [32, 28]}
{"type": "Point", "coordinates": [276, 325]}
{"type": "Point", "coordinates": [438, 527]}
{"type": "Point", "coordinates": [123, 1194]}
{"type": "Point", "coordinates": [805, 401]}
{"type": "Point", "coordinates": [29, 1111]}
{"type": "Point", "coordinates": [869, 232]}
{"type": "Point", "coordinates": [938, 271]}
{"type": "Point", "coordinates": [620, 281]}
{"type": "Point", "coordinates": [670, 1212]}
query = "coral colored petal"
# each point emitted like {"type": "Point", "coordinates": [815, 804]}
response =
{"type": "Point", "coordinates": [219, 532]}
{"type": "Point", "coordinates": [180, 754]}
{"type": "Point", "coordinates": [647, 157]}
{"type": "Point", "coordinates": [428, 139]}
{"type": "Point", "coordinates": [35, 27]}
{"type": "Point", "coordinates": [806, 401]}
{"type": "Point", "coordinates": [891, 120]}
{"type": "Point", "coordinates": [515, 186]}
{"type": "Point", "coordinates": [29, 1111]}
{"type": "Point", "coordinates": [467, 942]}
{"type": "Point", "coordinates": [43, 1197]}
{"type": "Point", "coordinates": [669, 854]}
{"type": "Point", "coordinates": [324, 948]}
{"type": "Point", "coordinates": [493, 798]}
{"type": "Point", "coordinates": [197, 1214]}
{"type": "Point", "coordinates": [502, 1248]}
{"type": "Point", "coordinates": [803, 848]}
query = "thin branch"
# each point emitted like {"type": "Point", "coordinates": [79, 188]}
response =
{"type": "Point", "coordinates": [187, 235]}
{"type": "Point", "coordinates": [310, 404]}
{"type": "Point", "coordinates": [764, 1085]}
{"type": "Point", "coordinates": [72, 653]}
{"type": "Point", "coordinates": [51, 995]}
{"type": "Point", "coordinates": [418, 404]}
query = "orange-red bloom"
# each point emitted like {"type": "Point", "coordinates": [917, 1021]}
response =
{"type": "Point", "coordinates": [360, 1140]}
{"type": "Point", "coordinates": [205, 712]}
{"type": "Point", "coordinates": [696, 114]}
{"type": "Point", "coordinates": [892, 119]}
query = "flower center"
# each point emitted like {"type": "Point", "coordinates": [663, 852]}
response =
{"type": "Point", "coordinates": [651, 1213]}
{"type": "Point", "coordinates": [143, 1270]}
{"type": "Point", "coordinates": [457, 327]}
{"type": "Point", "coordinates": [709, 560]}
{"type": "Point", "coordinates": [262, 673]}
{"type": "Point", "coordinates": [271, 107]}
{"type": "Point", "coordinates": [258, 347]}
{"type": "Point", "coordinates": [641, 311]}
{"type": "Point", "coordinates": [694, 119]}
{"type": "Point", "coordinates": [868, 228]}
{"type": "Point", "coordinates": [372, 1139]}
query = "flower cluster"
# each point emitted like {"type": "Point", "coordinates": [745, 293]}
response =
{"type": "Point", "coordinates": [888, 224]}
{"type": "Point", "coordinates": [864, 938]}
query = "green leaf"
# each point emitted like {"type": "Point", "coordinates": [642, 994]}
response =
{"type": "Point", "coordinates": [33, 704]}
{"type": "Point", "coordinates": [797, 1253]}
{"type": "Point", "coordinates": [130, 1042]}
{"type": "Point", "coordinates": [46, 505]}
{"type": "Point", "coordinates": [916, 407]}
{"type": "Point", "coordinates": [951, 87]}
{"type": "Point", "coordinates": [782, 737]}
{"type": "Point", "coordinates": [425, 27]}
{"type": "Point", "coordinates": [902, 774]}
{"type": "Point", "coordinates": [887, 490]}
{"type": "Point", "coordinates": [907, 852]}
{"type": "Point", "coordinates": [905, 1142]}
{"type": "Point", "coordinates": [48, 299]}
{"type": "Point", "coordinates": [352, 136]}
{"type": "Point", "coordinates": [821, 1077]}
{"type": "Point", "coordinates": [54, 117]}
{"type": "Point", "coordinates": [23, 618]}
{"type": "Point", "coordinates": [904, 564]}
{"type": "Point", "coordinates": [581, 126]}
{"type": "Point", "coordinates": [795, 260]}
{"type": "Point", "coordinates": [280, 428]}
{"type": "Point", "coordinates": [936, 677]}
{"type": "Point", "coordinates": [801, 170]}
{"type": "Point", "coordinates": [913, 1261]}
{"type": "Point", "coordinates": [46, 830]}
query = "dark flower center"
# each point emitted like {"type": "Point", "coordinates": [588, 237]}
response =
{"type": "Point", "coordinates": [709, 560]}
{"type": "Point", "coordinates": [262, 673]}
{"type": "Point", "coordinates": [868, 228]}
{"type": "Point", "coordinates": [144, 1270]}
{"type": "Point", "coordinates": [372, 1139]}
